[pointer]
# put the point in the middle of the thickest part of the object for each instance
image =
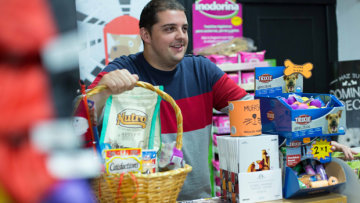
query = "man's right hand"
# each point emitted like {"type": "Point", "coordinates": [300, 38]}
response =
{"type": "Point", "coordinates": [118, 81]}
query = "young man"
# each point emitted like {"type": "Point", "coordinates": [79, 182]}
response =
{"type": "Point", "coordinates": [196, 84]}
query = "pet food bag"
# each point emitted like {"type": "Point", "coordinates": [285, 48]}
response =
{"type": "Point", "coordinates": [132, 120]}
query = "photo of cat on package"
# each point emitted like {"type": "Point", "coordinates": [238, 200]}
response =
{"type": "Point", "coordinates": [260, 165]}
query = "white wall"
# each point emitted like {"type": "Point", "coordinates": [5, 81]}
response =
{"type": "Point", "coordinates": [348, 22]}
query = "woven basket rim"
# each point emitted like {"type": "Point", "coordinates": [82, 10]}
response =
{"type": "Point", "coordinates": [187, 168]}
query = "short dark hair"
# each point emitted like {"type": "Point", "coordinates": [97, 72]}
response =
{"type": "Point", "coordinates": [148, 15]}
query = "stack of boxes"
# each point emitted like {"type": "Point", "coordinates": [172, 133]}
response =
{"type": "Point", "coordinates": [249, 160]}
{"type": "Point", "coordinates": [243, 75]}
{"type": "Point", "coordinates": [307, 130]}
{"type": "Point", "coordinates": [249, 168]}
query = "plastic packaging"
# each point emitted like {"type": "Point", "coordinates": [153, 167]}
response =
{"type": "Point", "coordinates": [228, 48]}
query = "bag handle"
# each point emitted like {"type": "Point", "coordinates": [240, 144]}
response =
{"type": "Point", "coordinates": [162, 94]}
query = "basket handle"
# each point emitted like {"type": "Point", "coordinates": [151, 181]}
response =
{"type": "Point", "coordinates": [162, 94]}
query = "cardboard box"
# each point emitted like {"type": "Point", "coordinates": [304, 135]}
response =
{"type": "Point", "coordinates": [249, 168]}
{"type": "Point", "coordinates": [277, 117]}
{"type": "Point", "coordinates": [248, 154]}
{"type": "Point", "coordinates": [324, 198]}
{"type": "Point", "coordinates": [271, 82]}
{"type": "Point", "coordinates": [292, 189]}
{"type": "Point", "coordinates": [251, 187]}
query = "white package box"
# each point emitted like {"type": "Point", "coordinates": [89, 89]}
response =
{"type": "Point", "coordinates": [249, 154]}
{"type": "Point", "coordinates": [260, 186]}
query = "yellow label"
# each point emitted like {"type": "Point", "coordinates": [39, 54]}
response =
{"type": "Point", "coordinates": [291, 68]}
{"type": "Point", "coordinates": [119, 164]}
{"type": "Point", "coordinates": [306, 140]}
{"type": "Point", "coordinates": [133, 119]}
{"type": "Point", "coordinates": [236, 21]}
{"type": "Point", "coordinates": [321, 149]}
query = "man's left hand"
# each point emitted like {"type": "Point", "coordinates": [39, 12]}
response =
{"type": "Point", "coordinates": [348, 152]}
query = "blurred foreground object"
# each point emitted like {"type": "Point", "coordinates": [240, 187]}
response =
{"type": "Point", "coordinates": [25, 27]}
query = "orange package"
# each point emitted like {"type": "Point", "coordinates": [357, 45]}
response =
{"type": "Point", "coordinates": [245, 118]}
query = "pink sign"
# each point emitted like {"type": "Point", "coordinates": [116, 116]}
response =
{"type": "Point", "coordinates": [215, 21]}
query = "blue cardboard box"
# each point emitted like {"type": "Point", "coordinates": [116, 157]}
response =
{"type": "Point", "coordinates": [271, 82]}
{"type": "Point", "coordinates": [277, 117]}
{"type": "Point", "coordinates": [291, 187]}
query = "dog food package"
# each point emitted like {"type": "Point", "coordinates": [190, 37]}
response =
{"type": "Point", "coordinates": [131, 120]}
{"type": "Point", "coordinates": [271, 82]}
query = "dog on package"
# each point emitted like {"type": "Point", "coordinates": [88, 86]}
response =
{"type": "Point", "coordinates": [290, 82]}
{"type": "Point", "coordinates": [333, 121]}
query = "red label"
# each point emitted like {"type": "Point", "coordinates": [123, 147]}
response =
{"type": "Point", "coordinates": [292, 160]}
{"type": "Point", "coordinates": [303, 119]}
{"type": "Point", "coordinates": [270, 115]}
{"type": "Point", "coordinates": [265, 78]}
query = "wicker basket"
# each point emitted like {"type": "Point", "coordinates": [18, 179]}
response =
{"type": "Point", "coordinates": [155, 187]}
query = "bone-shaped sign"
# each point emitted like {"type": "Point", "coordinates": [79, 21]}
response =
{"type": "Point", "coordinates": [304, 69]}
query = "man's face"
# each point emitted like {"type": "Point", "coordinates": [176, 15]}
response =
{"type": "Point", "coordinates": [169, 39]}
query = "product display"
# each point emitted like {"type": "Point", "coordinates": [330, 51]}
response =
{"type": "Point", "coordinates": [299, 117]}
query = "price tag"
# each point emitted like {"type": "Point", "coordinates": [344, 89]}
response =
{"type": "Point", "coordinates": [321, 149]}
{"type": "Point", "coordinates": [291, 68]}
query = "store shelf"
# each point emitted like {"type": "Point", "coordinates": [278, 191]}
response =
{"type": "Point", "coordinates": [229, 67]}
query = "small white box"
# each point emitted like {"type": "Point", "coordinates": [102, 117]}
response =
{"type": "Point", "coordinates": [248, 154]}
{"type": "Point", "coordinates": [251, 187]}
{"type": "Point", "coordinates": [260, 186]}
{"type": "Point", "coordinates": [250, 170]}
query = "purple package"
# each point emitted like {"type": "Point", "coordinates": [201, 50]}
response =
{"type": "Point", "coordinates": [309, 170]}
{"type": "Point", "coordinates": [177, 158]}
{"type": "Point", "coordinates": [320, 170]}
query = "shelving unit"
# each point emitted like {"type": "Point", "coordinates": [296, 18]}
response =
{"type": "Point", "coordinates": [240, 67]}
{"type": "Point", "coordinates": [232, 67]}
